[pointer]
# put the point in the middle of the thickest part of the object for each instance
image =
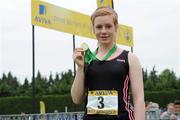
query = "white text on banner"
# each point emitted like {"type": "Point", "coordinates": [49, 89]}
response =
{"type": "Point", "coordinates": [64, 20]}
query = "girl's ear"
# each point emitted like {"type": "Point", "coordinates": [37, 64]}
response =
{"type": "Point", "coordinates": [92, 29]}
{"type": "Point", "coordinates": [116, 28]}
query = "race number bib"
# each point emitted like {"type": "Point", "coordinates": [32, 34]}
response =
{"type": "Point", "coordinates": [103, 102]}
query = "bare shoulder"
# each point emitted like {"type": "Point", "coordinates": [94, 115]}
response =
{"type": "Point", "coordinates": [133, 59]}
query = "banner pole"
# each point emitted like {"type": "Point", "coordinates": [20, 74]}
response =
{"type": "Point", "coordinates": [74, 45]}
{"type": "Point", "coordinates": [112, 4]}
{"type": "Point", "coordinates": [33, 69]}
{"type": "Point", "coordinates": [131, 49]}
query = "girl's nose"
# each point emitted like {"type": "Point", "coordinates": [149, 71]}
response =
{"type": "Point", "coordinates": [103, 30]}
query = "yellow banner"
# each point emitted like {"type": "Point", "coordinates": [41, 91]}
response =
{"type": "Point", "coordinates": [104, 3]}
{"type": "Point", "coordinates": [61, 19]}
{"type": "Point", "coordinates": [68, 21]}
{"type": "Point", "coordinates": [42, 108]}
{"type": "Point", "coordinates": [125, 35]}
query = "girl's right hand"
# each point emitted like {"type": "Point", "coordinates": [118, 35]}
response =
{"type": "Point", "coordinates": [78, 57]}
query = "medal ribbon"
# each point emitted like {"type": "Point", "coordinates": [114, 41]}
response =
{"type": "Point", "coordinates": [90, 56]}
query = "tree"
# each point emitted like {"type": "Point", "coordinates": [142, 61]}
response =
{"type": "Point", "coordinates": [11, 83]}
{"type": "Point", "coordinates": [149, 85]}
{"type": "Point", "coordinates": [145, 75]}
{"type": "Point", "coordinates": [5, 90]}
{"type": "Point", "coordinates": [168, 79]}
{"type": "Point", "coordinates": [50, 81]}
{"type": "Point", "coordinates": [41, 84]}
{"type": "Point", "coordinates": [63, 85]}
{"type": "Point", "coordinates": [25, 89]}
{"type": "Point", "coordinates": [153, 78]}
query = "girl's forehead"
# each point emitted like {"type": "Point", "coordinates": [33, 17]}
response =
{"type": "Point", "coordinates": [102, 19]}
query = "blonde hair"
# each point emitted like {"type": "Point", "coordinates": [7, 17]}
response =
{"type": "Point", "coordinates": [170, 104]}
{"type": "Point", "coordinates": [102, 11]}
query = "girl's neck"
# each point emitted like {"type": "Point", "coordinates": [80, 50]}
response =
{"type": "Point", "coordinates": [104, 48]}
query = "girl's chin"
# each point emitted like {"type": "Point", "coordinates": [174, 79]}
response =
{"type": "Point", "coordinates": [104, 41]}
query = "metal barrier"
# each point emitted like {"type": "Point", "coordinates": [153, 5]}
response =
{"type": "Point", "coordinates": [47, 116]}
{"type": "Point", "coordinates": [150, 115]}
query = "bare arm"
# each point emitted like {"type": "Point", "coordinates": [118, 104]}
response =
{"type": "Point", "coordinates": [136, 79]}
{"type": "Point", "coordinates": [77, 89]}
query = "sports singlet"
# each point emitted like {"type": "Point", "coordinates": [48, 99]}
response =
{"type": "Point", "coordinates": [107, 85]}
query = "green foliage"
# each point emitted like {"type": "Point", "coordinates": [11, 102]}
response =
{"type": "Point", "coordinates": [9, 86]}
{"type": "Point", "coordinates": [18, 104]}
{"type": "Point", "coordinates": [15, 105]}
{"type": "Point", "coordinates": [54, 91]}
{"type": "Point", "coordinates": [162, 97]}
{"type": "Point", "coordinates": [166, 80]}
{"type": "Point", "coordinates": [61, 83]}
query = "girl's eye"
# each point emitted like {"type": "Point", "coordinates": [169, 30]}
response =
{"type": "Point", "coordinates": [108, 26]}
{"type": "Point", "coordinates": [98, 26]}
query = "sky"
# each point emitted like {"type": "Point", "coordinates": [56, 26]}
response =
{"type": "Point", "coordinates": [156, 31]}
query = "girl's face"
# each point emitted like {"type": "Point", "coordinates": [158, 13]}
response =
{"type": "Point", "coordinates": [105, 29]}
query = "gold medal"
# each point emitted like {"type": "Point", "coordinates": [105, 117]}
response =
{"type": "Point", "coordinates": [84, 46]}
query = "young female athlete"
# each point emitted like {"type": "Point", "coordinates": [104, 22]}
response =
{"type": "Point", "coordinates": [104, 79]}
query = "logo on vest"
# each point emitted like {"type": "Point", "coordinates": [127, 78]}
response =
{"type": "Point", "coordinates": [121, 60]}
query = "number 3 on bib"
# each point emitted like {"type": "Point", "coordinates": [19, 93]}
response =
{"type": "Point", "coordinates": [103, 102]}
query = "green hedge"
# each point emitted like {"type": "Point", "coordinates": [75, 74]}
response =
{"type": "Point", "coordinates": [162, 97]}
{"type": "Point", "coordinates": [59, 102]}
{"type": "Point", "coordinates": [16, 105]}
